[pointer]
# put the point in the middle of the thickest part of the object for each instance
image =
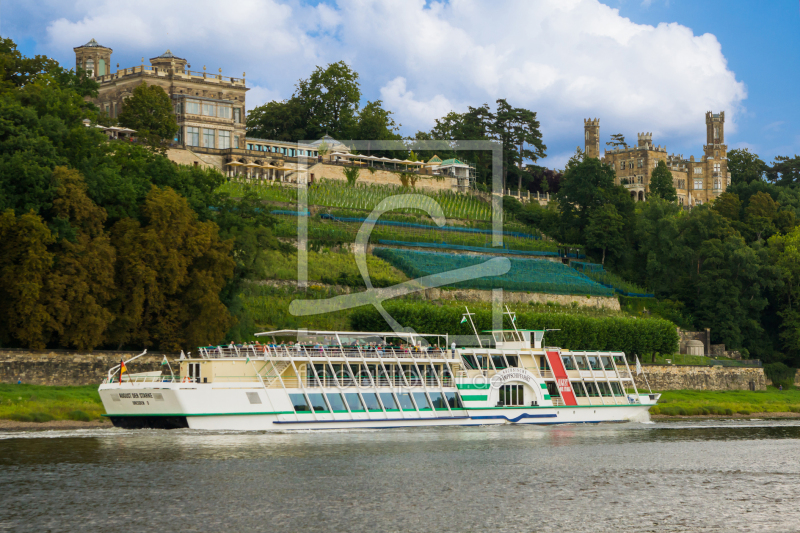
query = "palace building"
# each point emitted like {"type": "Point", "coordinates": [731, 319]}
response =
{"type": "Point", "coordinates": [696, 181]}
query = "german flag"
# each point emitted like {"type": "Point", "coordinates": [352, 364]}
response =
{"type": "Point", "coordinates": [122, 369]}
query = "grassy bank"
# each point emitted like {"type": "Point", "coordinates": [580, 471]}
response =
{"type": "Point", "coordinates": [42, 403]}
{"type": "Point", "coordinates": [693, 403]}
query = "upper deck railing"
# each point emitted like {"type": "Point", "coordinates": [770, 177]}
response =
{"type": "Point", "coordinates": [300, 351]}
{"type": "Point", "coordinates": [148, 70]}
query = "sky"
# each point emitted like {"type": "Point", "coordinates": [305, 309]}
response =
{"type": "Point", "coordinates": [639, 66]}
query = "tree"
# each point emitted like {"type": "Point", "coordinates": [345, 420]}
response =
{"type": "Point", "coordinates": [785, 252]}
{"type": "Point", "coordinates": [728, 205]}
{"type": "Point", "coordinates": [584, 189]}
{"type": "Point", "coordinates": [376, 124]}
{"type": "Point", "coordinates": [149, 112]}
{"type": "Point", "coordinates": [760, 213]}
{"type": "Point", "coordinates": [605, 231]}
{"type": "Point", "coordinates": [745, 167]}
{"type": "Point", "coordinates": [351, 174]}
{"type": "Point", "coordinates": [170, 271]}
{"type": "Point", "coordinates": [282, 121]}
{"type": "Point", "coordinates": [617, 140]}
{"type": "Point", "coordinates": [661, 183]}
{"type": "Point", "coordinates": [517, 130]}
{"type": "Point", "coordinates": [330, 97]}
{"type": "Point", "coordinates": [785, 170]}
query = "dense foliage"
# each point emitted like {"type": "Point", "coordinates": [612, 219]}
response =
{"type": "Point", "coordinates": [631, 335]}
{"type": "Point", "coordinates": [108, 243]}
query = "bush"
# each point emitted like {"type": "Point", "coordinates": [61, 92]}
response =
{"type": "Point", "coordinates": [780, 374]}
{"type": "Point", "coordinates": [32, 417]}
{"type": "Point", "coordinates": [743, 412]}
{"type": "Point", "coordinates": [629, 335]}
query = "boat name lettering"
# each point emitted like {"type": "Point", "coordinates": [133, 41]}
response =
{"type": "Point", "coordinates": [512, 375]}
{"type": "Point", "coordinates": [136, 395]}
{"type": "Point", "coordinates": [563, 385]}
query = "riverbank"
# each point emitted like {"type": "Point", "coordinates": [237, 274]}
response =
{"type": "Point", "coordinates": [734, 404]}
{"type": "Point", "coordinates": [41, 404]}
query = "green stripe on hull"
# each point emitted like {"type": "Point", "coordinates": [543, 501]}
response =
{"type": "Point", "coordinates": [475, 397]}
{"type": "Point", "coordinates": [471, 386]}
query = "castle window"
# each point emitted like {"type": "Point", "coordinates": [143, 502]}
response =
{"type": "Point", "coordinates": [630, 164]}
{"type": "Point", "coordinates": [237, 115]}
{"type": "Point", "coordinates": [622, 165]}
{"type": "Point", "coordinates": [640, 163]}
{"type": "Point", "coordinates": [716, 167]}
{"type": "Point", "coordinates": [208, 110]}
{"type": "Point", "coordinates": [236, 141]}
{"type": "Point", "coordinates": [640, 179]}
{"type": "Point", "coordinates": [717, 184]}
{"type": "Point", "coordinates": [698, 170]}
{"type": "Point", "coordinates": [698, 184]}
{"type": "Point", "coordinates": [192, 136]}
{"type": "Point", "coordinates": [192, 107]}
{"type": "Point", "coordinates": [224, 112]}
{"type": "Point", "coordinates": [90, 67]}
{"type": "Point", "coordinates": [224, 139]}
{"type": "Point", "coordinates": [208, 138]}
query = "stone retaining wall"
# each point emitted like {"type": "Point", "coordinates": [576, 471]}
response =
{"type": "Point", "coordinates": [63, 367]}
{"type": "Point", "coordinates": [695, 377]}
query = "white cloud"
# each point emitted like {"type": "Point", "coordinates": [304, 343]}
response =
{"type": "Point", "coordinates": [395, 96]}
{"type": "Point", "coordinates": [565, 59]}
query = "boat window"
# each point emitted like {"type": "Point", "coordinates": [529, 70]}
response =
{"type": "Point", "coordinates": [581, 362]}
{"type": "Point", "coordinates": [470, 361]}
{"type": "Point", "coordinates": [578, 389]}
{"type": "Point", "coordinates": [513, 360]}
{"type": "Point", "coordinates": [337, 404]}
{"type": "Point", "coordinates": [388, 401]}
{"type": "Point", "coordinates": [412, 375]}
{"type": "Point", "coordinates": [354, 402]}
{"type": "Point", "coordinates": [592, 389]}
{"type": "Point", "coordinates": [318, 402]}
{"type": "Point", "coordinates": [594, 363]}
{"type": "Point", "coordinates": [604, 390]}
{"type": "Point", "coordinates": [616, 389]}
{"type": "Point", "coordinates": [543, 364]}
{"type": "Point", "coordinates": [512, 395]}
{"type": "Point", "coordinates": [438, 400]}
{"type": "Point", "coordinates": [372, 401]}
{"type": "Point", "coordinates": [300, 403]}
{"type": "Point", "coordinates": [498, 361]}
{"type": "Point", "coordinates": [422, 401]}
{"type": "Point", "coordinates": [568, 364]}
{"type": "Point", "coordinates": [454, 400]}
{"type": "Point", "coordinates": [405, 401]}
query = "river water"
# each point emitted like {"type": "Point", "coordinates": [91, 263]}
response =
{"type": "Point", "coordinates": [678, 476]}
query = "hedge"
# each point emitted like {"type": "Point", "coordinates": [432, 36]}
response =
{"type": "Point", "coordinates": [634, 336]}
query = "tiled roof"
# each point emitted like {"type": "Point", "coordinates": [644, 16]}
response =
{"type": "Point", "coordinates": [92, 44]}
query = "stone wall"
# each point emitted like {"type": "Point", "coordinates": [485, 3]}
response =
{"type": "Point", "coordinates": [61, 367]}
{"type": "Point", "coordinates": [382, 177]}
{"type": "Point", "coordinates": [693, 377]}
{"type": "Point", "coordinates": [188, 157]}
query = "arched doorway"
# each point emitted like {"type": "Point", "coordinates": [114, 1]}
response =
{"type": "Point", "coordinates": [641, 196]}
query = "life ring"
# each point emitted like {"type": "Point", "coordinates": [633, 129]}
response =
{"type": "Point", "coordinates": [187, 379]}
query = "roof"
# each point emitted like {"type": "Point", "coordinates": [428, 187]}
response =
{"type": "Point", "coordinates": [451, 162]}
{"type": "Point", "coordinates": [168, 55]}
{"type": "Point", "coordinates": [92, 44]}
{"type": "Point", "coordinates": [435, 159]}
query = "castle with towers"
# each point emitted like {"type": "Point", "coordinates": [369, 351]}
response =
{"type": "Point", "coordinates": [696, 181]}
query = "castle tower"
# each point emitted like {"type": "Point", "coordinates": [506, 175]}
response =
{"type": "Point", "coordinates": [168, 60]}
{"type": "Point", "coordinates": [93, 58]}
{"type": "Point", "coordinates": [592, 137]}
{"type": "Point", "coordinates": [715, 135]}
{"type": "Point", "coordinates": [645, 139]}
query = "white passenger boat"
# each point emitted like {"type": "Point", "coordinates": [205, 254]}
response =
{"type": "Point", "coordinates": [338, 379]}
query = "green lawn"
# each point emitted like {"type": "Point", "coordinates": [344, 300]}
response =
{"type": "Point", "coordinates": [691, 402]}
{"type": "Point", "coordinates": [41, 403]}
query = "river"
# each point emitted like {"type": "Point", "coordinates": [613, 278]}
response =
{"type": "Point", "coordinates": [706, 475]}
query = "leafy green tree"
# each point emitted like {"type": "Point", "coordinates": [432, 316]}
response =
{"type": "Point", "coordinates": [760, 212]}
{"type": "Point", "coordinates": [331, 97]}
{"type": "Point", "coordinates": [149, 112]}
{"type": "Point", "coordinates": [745, 167]}
{"type": "Point", "coordinates": [728, 205]}
{"type": "Point", "coordinates": [376, 124]}
{"type": "Point", "coordinates": [605, 231]}
{"type": "Point", "coordinates": [171, 270]}
{"type": "Point", "coordinates": [517, 129]}
{"type": "Point", "coordinates": [26, 315]}
{"type": "Point", "coordinates": [585, 188]}
{"type": "Point", "coordinates": [351, 174]}
{"type": "Point", "coordinates": [282, 121]}
{"type": "Point", "coordinates": [785, 252]}
{"type": "Point", "coordinates": [617, 140]}
{"type": "Point", "coordinates": [661, 183]}
{"type": "Point", "coordinates": [785, 170]}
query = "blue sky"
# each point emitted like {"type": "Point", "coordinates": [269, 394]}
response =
{"type": "Point", "coordinates": [652, 66]}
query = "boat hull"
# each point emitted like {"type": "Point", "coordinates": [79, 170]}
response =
{"type": "Point", "coordinates": [204, 407]}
